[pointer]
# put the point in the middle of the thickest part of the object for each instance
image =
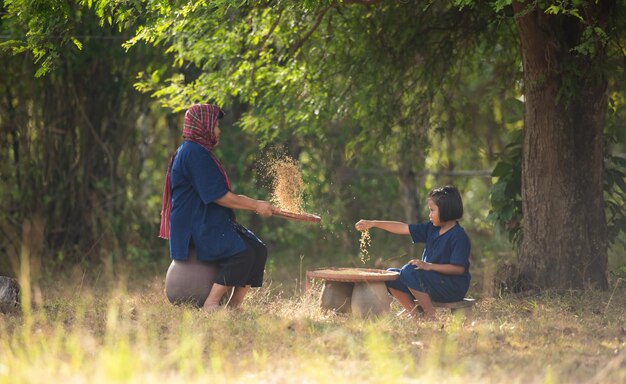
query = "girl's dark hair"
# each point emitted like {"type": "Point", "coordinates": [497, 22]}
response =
{"type": "Point", "coordinates": [448, 200]}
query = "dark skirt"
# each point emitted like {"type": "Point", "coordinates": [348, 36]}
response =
{"type": "Point", "coordinates": [440, 287]}
{"type": "Point", "coordinates": [244, 268]}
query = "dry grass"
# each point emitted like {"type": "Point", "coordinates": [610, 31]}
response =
{"type": "Point", "coordinates": [130, 333]}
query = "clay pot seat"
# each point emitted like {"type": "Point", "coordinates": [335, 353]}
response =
{"type": "Point", "coordinates": [360, 291]}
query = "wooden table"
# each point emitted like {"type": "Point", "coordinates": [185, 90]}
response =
{"type": "Point", "coordinates": [359, 291]}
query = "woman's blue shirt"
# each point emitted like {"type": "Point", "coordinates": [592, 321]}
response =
{"type": "Point", "coordinates": [196, 183]}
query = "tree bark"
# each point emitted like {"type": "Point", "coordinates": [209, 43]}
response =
{"type": "Point", "coordinates": [564, 242]}
{"type": "Point", "coordinates": [409, 193]}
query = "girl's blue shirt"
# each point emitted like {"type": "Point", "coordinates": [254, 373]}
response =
{"type": "Point", "coordinates": [196, 183]}
{"type": "Point", "coordinates": [453, 247]}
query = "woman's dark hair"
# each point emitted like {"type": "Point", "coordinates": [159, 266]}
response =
{"type": "Point", "coordinates": [448, 200]}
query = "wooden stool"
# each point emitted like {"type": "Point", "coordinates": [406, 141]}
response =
{"type": "Point", "coordinates": [359, 291]}
{"type": "Point", "coordinates": [465, 306]}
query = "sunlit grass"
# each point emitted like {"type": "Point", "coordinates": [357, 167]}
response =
{"type": "Point", "coordinates": [119, 334]}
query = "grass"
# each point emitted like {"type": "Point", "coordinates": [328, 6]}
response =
{"type": "Point", "coordinates": [126, 331]}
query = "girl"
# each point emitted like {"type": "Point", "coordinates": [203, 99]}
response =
{"type": "Point", "coordinates": [443, 272]}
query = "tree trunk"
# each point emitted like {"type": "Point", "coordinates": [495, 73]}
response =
{"type": "Point", "coordinates": [564, 242]}
{"type": "Point", "coordinates": [409, 193]}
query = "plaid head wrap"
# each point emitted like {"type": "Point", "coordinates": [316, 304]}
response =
{"type": "Point", "coordinates": [199, 127]}
{"type": "Point", "coordinates": [200, 121]}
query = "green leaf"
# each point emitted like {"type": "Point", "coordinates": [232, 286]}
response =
{"type": "Point", "coordinates": [621, 182]}
{"type": "Point", "coordinates": [502, 169]}
{"type": "Point", "coordinates": [77, 43]}
{"type": "Point", "coordinates": [553, 10]}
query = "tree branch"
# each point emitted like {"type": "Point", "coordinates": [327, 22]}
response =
{"type": "Point", "coordinates": [308, 35]}
{"type": "Point", "coordinates": [271, 31]}
{"type": "Point", "coordinates": [320, 17]}
{"type": "Point", "coordinates": [362, 2]}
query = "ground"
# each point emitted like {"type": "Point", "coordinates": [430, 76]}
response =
{"type": "Point", "coordinates": [120, 330]}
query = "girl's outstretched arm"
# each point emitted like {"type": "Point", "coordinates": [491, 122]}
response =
{"type": "Point", "coordinates": [390, 226]}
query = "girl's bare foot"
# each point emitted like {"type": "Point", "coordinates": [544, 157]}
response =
{"type": "Point", "coordinates": [416, 313]}
{"type": "Point", "coordinates": [403, 313]}
{"type": "Point", "coordinates": [429, 316]}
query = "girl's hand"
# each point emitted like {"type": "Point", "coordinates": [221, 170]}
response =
{"type": "Point", "coordinates": [419, 264]}
{"type": "Point", "coordinates": [363, 225]}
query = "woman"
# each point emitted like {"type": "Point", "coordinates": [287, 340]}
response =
{"type": "Point", "coordinates": [198, 218]}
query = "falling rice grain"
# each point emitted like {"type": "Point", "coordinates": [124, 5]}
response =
{"type": "Point", "coordinates": [287, 185]}
{"type": "Point", "coordinates": [364, 243]}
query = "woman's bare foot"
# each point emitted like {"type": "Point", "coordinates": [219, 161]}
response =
{"type": "Point", "coordinates": [233, 309]}
{"type": "Point", "coordinates": [209, 308]}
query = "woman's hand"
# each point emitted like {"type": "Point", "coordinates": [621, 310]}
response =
{"type": "Point", "coordinates": [265, 209]}
{"type": "Point", "coordinates": [363, 225]}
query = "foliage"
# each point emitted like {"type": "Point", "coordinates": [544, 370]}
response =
{"type": "Point", "coordinates": [506, 200]}
{"type": "Point", "coordinates": [76, 139]}
{"type": "Point", "coordinates": [378, 101]}
{"type": "Point", "coordinates": [291, 69]}
{"type": "Point", "coordinates": [505, 195]}
{"type": "Point", "coordinates": [615, 196]}
{"type": "Point", "coordinates": [50, 31]}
